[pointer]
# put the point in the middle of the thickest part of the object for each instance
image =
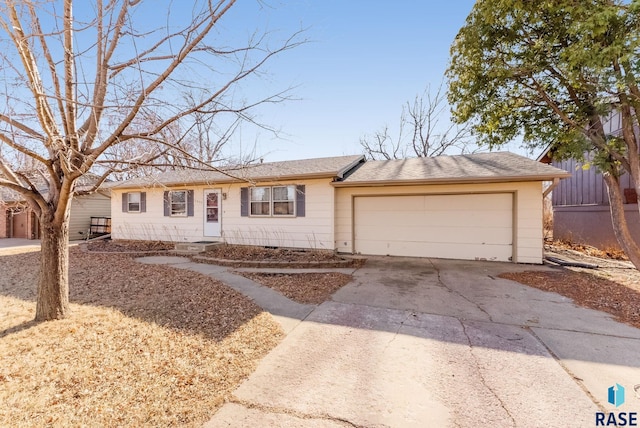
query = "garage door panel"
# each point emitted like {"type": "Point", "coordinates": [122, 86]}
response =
{"type": "Point", "coordinates": [460, 235]}
{"type": "Point", "coordinates": [438, 218]}
{"type": "Point", "coordinates": [476, 226]}
{"type": "Point", "coordinates": [442, 250]}
{"type": "Point", "coordinates": [409, 203]}
{"type": "Point", "coordinates": [479, 202]}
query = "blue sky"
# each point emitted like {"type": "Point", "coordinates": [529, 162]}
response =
{"type": "Point", "coordinates": [365, 59]}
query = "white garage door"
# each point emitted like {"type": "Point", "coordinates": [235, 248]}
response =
{"type": "Point", "coordinates": [469, 226]}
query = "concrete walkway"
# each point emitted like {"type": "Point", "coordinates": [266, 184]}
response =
{"type": "Point", "coordinates": [287, 312]}
{"type": "Point", "coordinates": [18, 245]}
{"type": "Point", "coordinates": [415, 342]}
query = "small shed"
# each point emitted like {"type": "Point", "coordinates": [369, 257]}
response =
{"type": "Point", "coordinates": [17, 220]}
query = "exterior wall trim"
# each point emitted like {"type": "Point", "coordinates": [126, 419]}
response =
{"type": "Point", "coordinates": [514, 229]}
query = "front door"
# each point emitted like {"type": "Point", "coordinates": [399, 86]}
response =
{"type": "Point", "coordinates": [212, 212]}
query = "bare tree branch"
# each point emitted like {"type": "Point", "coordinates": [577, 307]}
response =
{"type": "Point", "coordinates": [420, 131]}
{"type": "Point", "coordinates": [91, 91]}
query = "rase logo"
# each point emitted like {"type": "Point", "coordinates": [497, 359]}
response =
{"type": "Point", "coordinates": [615, 396]}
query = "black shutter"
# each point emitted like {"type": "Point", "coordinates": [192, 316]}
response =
{"type": "Point", "coordinates": [190, 203]}
{"type": "Point", "coordinates": [125, 202]}
{"type": "Point", "coordinates": [300, 200]}
{"type": "Point", "coordinates": [167, 205]}
{"type": "Point", "coordinates": [143, 202]}
{"type": "Point", "coordinates": [244, 202]}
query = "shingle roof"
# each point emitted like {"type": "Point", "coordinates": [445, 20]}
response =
{"type": "Point", "coordinates": [84, 182]}
{"type": "Point", "coordinates": [332, 167]}
{"type": "Point", "coordinates": [8, 195]}
{"type": "Point", "coordinates": [481, 167]}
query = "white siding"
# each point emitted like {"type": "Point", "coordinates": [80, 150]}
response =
{"type": "Point", "coordinates": [527, 218]}
{"type": "Point", "coordinates": [315, 230]}
{"type": "Point", "coordinates": [82, 209]}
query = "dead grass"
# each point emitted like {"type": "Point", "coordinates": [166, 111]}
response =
{"type": "Point", "coordinates": [306, 288]}
{"type": "Point", "coordinates": [145, 345]}
{"type": "Point", "coordinates": [607, 253]}
{"type": "Point", "coordinates": [547, 217]}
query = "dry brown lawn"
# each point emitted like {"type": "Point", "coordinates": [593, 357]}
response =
{"type": "Point", "coordinates": [307, 288]}
{"type": "Point", "coordinates": [146, 345]}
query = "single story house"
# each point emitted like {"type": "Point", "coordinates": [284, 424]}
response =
{"type": "Point", "coordinates": [17, 220]}
{"type": "Point", "coordinates": [482, 206]}
{"type": "Point", "coordinates": [581, 203]}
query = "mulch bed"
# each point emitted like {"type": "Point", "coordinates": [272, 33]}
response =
{"type": "Point", "coordinates": [123, 246]}
{"type": "Point", "coordinates": [251, 253]}
{"type": "Point", "coordinates": [306, 288]}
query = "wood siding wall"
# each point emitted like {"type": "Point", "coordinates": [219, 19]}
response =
{"type": "Point", "coordinates": [82, 209]}
{"type": "Point", "coordinates": [586, 186]}
{"type": "Point", "coordinates": [314, 230]}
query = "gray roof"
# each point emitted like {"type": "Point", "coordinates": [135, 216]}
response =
{"type": "Point", "coordinates": [332, 167]}
{"type": "Point", "coordinates": [481, 167]}
{"type": "Point", "coordinates": [85, 182]}
{"type": "Point", "coordinates": [8, 195]}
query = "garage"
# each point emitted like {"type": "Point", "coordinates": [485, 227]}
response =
{"type": "Point", "coordinates": [460, 226]}
{"type": "Point", "coordinates": [481, 206]}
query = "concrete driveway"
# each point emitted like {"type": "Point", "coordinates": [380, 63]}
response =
{"type": "Point", "coordinates": [18, 245]}
{"type": "Point", "coordinates": [441, 343]}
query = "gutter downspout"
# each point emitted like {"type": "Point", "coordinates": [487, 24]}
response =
{"type": "Point", "coordinates": [554, 184]}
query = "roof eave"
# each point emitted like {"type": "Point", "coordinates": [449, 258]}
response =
{"type": "Point", "coordinates": [328, 175]}
{"type": "Point", "coordinates": [470, 180]}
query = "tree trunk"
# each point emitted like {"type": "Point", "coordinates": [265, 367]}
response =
{"type": "Point", "coordinates": [619, 221]}
{"type": "Point", "coordinates": [53, 281]}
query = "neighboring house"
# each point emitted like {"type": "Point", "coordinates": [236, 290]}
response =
{"type": "Point", "coordinates": [17, 220]}
{"type": "Point", "coordinates": [581, 204]}
{"type": "Point", "coordinates": [482, 206]}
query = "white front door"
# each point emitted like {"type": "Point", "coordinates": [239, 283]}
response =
{"type": "Point", "coordinates": [212, 212]}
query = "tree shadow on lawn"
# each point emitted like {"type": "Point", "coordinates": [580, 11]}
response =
{"type": "Point", "coordinates": [178, 299]}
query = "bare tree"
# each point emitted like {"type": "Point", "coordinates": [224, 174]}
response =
{"type": "Point", "coordinates": [424, 131]}
{"type": "Point", "coordinates": [79, 87]}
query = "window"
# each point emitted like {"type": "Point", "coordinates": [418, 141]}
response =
{"type": "Point", "coordinates": [284, 198]}
{"type": "Point", "coordinates": [133, 202]}
{"type": "Point", "coordinates": [260, 198]}
{"type": "Point", "coordinates": [178, 203]}
{"type": "Point", "coordinates": [272, 201]}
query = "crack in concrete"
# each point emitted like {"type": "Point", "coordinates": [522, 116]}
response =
{"type": "Point", "coordinates": [395, 334]}
{"type": "Point", "coordinates": [574, 377]}
{"type": "Point", "coordinates": [441, 282]}
{"type": "Point", "coordinates": [283, 410]}
{"type": "Point", "coordinates": [482, 378]}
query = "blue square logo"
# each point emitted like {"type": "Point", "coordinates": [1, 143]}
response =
{"type": "Point", "coordinates": [616, 395]}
